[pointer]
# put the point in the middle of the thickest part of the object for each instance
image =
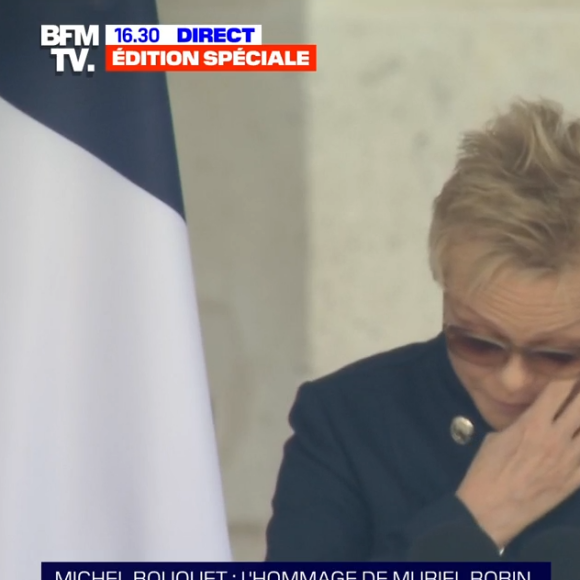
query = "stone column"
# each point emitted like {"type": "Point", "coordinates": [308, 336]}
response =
{"type": "Point", "coordinates": [242, 150]}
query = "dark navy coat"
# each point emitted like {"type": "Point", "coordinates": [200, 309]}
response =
{"type": "Point", "coordinates": [371, 470]}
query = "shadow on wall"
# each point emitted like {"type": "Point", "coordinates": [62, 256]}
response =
{"type": "Point", "coordinates": [227, 367]}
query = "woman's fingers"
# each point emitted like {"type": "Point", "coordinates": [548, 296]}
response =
{"type": "Point", "coordinates": [569, 417]}
{"type": "Point", "coordinates": [551, 403]}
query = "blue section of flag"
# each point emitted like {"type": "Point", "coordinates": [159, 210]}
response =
{"type": "Point", "coordinates": [320, 571]}
{"type": "Point", "coordinates": [122, 118]}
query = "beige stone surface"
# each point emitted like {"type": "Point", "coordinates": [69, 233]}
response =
{"type": "Point", "coordinates": [473, 7]}
{"type": "Point", "coordinates": [308, 196]}
{"type": "Point", "coordinates": [241, 145]}
{"type": "Point", "coordinates": [392, 95]}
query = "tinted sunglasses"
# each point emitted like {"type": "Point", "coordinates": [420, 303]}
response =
{"type": "Point", "coordinates": [486, 352]}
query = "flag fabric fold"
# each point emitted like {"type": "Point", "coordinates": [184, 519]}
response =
{"type": "Point", "coordinates": [107, 448]}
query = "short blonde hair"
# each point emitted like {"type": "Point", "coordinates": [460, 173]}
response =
{"type": "Point", "coordinates": [515, 189]}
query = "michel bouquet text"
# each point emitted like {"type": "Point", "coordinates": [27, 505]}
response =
{"type": "Point", "coordinates": [172, 48]}
{"type": "Point", "coordinates": [310, 571]}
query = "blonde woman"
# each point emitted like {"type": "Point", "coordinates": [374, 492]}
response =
{"type": "Point", "coordinates": [472, 434]}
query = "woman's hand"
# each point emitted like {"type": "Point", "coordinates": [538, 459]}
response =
{"type": "Point", "coordinates": [523, 472]}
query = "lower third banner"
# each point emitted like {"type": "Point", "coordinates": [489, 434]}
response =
{"type": "Point", "coordinates": [262, 571]}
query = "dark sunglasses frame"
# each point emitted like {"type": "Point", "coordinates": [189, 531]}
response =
{"type": "Point", "coordinates": [492, 353]}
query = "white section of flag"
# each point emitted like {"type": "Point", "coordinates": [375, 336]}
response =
{"type": "Point", "coordinates": [107, 447]}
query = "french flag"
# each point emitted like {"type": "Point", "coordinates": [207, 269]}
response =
{"type": "Point", "coordinates": [107, 447]}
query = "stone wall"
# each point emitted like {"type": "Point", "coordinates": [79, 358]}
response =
{"type": "Point", "coordinates": [308, 196]}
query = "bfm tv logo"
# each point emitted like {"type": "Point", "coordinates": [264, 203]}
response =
{"type": "Point", "coordinates": [59, 35]}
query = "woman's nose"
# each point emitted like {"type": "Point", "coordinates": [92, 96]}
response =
{"type": "Point", "coordinates": [515, 376]}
